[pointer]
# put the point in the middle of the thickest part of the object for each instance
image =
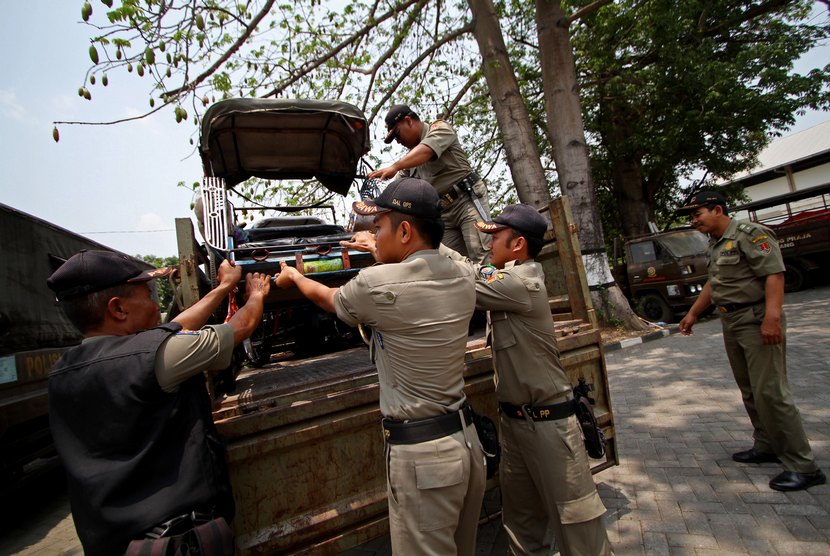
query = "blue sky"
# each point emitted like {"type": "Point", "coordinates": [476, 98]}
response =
{"type": "Point", "coordinates": [114, 184]}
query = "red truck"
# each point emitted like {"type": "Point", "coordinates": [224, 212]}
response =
{"type": "Point", "coordinates": [801, 221]}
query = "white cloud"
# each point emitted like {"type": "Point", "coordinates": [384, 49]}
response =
{"type": "Point", "coordinates": [9, 106]}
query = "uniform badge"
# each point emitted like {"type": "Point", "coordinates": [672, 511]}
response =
{"type": "Point", "coordinates": [435, 125]}
{"type": "Point", "coordinates": [765, 248]}
{"type": "Point", "coordinates": [728, 246]}
{"type": "Point", "coordinates": [756, 239]}
{"type": "Point", "coordinates": [490, 273]}
{"type": "Point", "coordinates": [487, 272]}
{"type": "Point", "coordinates": [185, 332]}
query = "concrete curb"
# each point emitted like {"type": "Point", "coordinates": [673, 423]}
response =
{"type": "Point", "coordinates": [622, 344]}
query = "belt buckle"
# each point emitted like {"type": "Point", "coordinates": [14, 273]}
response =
{"type": "Point", "coordinates": [528, 412]}
{"type": "Point", "coordinates": [163, 529]}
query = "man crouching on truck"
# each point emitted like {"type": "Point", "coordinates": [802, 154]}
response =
{"type": "Point", "coordinates": [129, 411]}
{"type": "Point", "coordinates": [419, 305]}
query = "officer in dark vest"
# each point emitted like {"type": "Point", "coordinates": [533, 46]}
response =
{"type": "Point", "coordinates": [129, 410]}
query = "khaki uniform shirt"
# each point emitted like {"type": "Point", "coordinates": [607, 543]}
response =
{"type": "Point", "coordinates": [740, 261]}
{"type": "Point", "coordinates": [450, 164]}
{"type": "Point", "coordinates": [190, 352]}
{"type": "Point", "coordinates": [520, 331]}
{"type": "Point", "coordinates": [419, 310]}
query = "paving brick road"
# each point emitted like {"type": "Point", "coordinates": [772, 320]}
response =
{"type": "Point", "coordinates": [677, 491]}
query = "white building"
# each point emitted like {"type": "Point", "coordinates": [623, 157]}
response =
{"type": "Point", "coordinates": [787, 165]}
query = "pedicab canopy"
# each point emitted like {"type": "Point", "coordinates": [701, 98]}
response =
{"type": "Point", "coordinates": [284, 139]}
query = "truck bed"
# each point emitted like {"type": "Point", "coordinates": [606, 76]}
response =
{"type": "Point", "coordinates": [305, 447]}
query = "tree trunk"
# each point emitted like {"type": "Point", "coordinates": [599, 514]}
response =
{"type": "Point", "coordinates": [632, 198]}
{"type": "Point", "coordinates": [636, 204]}
{"type": "Point", "coordinates": [511, 113]}
{"type": "Point", "coordinates": [570, 153]}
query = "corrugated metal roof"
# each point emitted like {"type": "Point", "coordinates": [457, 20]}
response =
{"type": "Point", "coordinates": [793, 148]}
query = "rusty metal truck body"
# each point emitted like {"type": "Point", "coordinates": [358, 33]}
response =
{"type": "Point", "coordinates": [801, 222]}
{"type": "Point", "coordinates": [33, 334]}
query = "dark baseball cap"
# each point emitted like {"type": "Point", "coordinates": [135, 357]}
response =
{"type": "Point", "coordinates": [407, 195]}
{"type": "Point", "coordinates": [702, 199]}
{"type": "Point", "coordinates": [90, 271]}
{"type": "Point", "coordinates": [396, 114]}
{"type": "Point", "coordinates": [523, 218]}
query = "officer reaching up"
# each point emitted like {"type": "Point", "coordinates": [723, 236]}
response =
{"type": "Point", "coordinates": [435, 155]}
{"type": "Point", "coordinates": [418, 304]}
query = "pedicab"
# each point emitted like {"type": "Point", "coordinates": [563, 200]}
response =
{"type": "Point", "coordinates": [282, 139]}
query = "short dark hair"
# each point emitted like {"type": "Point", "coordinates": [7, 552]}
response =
{"type": "Point", "coordinates": [712, 207]}
{"type": "Point", "coordinates": [534, 244]}
{"type": "Point", "coordinates": [431, 229]}
{"type": "Point", "coordinates": [86, 312]}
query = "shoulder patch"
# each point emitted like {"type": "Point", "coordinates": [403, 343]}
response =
{"type": "Point", "coordinates": [490, 273]}
{"type": "Point", "coordinates": [436, 124]}
{"type": "Point", "coordinates": [765, 248]}
{"type": "Point", "coordinates": [185, 332]}
{"type": "Point", "coordinates": [756, 239]}
{"type": "Point", "coordinates": [487, 271]}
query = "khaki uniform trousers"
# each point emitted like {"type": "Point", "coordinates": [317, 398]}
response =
{"type": "Point", "coordinates": [435, 490]}
{"type": "Point", "coordinates": [761, 373]}
{"type": "Point", "coordinates": [460, 233]}
{"type": "Point", "coordinates": [547, 487]}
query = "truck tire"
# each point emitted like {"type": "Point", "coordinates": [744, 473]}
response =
{"type": "Point", "coordinates": [794, 278]}
{"type": "Point", "coordinates": [652, 308]}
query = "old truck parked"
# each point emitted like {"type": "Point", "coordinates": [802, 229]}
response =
{"type": "Point", "coordinates": [801, 222]}
{"type": "Point", "coordinates": [33, 334]}
{"type": "Point", "coordinates": [661, 273]}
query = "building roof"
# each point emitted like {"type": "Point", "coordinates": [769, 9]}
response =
{"type": "Point", "coordinates": [801, 150]}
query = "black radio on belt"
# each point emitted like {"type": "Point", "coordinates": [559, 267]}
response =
{"type": "Point", "coordinates": [463, 186]}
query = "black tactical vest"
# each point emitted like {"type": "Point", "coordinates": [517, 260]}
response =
{"type": "Point", "coordinates": [134, 455]}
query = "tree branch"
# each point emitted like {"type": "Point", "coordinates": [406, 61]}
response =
{"type": "Point", "coordinates": [309, 66]}
{"type": "Point", "coordinates": [222, 59]}
{"type": "Point", "coordinates": [405, 73]}
{"type": "Point", "coordinates": [587, 10]}
{"type": "Point", "coordinates": [470, 82]}
{"type": "Point", "coordinates": [113, 122]}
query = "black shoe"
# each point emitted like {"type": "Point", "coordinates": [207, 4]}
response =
{"type": "Point", "coordinates": [753, 456]}
{"type": "Point", "coordinates": [790, 480]}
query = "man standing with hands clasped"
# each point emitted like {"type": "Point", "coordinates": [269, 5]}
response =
{"type": "Point", "coordinates": [418, 304]}
{"type": "Point", "coordinates": [746, 282]}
